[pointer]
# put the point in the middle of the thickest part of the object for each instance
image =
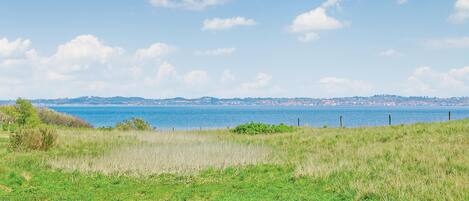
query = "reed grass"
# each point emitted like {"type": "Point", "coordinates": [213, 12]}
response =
{"type": "Point", "coordinates": [167, 158]}
{"type": "Point", "coordinates": [150, 153]}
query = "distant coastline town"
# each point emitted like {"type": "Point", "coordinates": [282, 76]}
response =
{"type": "Point", "coordinates": [376, 100]}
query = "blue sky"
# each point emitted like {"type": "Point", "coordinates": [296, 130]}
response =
{"type": "Point", "coordinates": [233, 48]}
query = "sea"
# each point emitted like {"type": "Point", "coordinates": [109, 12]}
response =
{"type": "Point", "coordinates": [214, 117]}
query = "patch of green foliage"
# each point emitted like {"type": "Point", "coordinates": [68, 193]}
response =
{"type": "Point", "coordinates": [8, 118]}
{"type": "Point", "coordinates": [26, 139]}
{"type": "Point", "coordinates": [261, 128]}
{"type": "Point", "coordinates": [28, 131]}
{"type": "Point", "coordinates": [52, 117]}
{"type": "Point", "coordinates": [24, 115]}
{"type": "Point", "coordinates": [134, 124]}
{"type": "Point", "coordinates": [28, 116]}
{"type": "Point", "coordinates": [21, 115]}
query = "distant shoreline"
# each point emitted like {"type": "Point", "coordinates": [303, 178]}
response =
{"type": "Point", "coordinates": [370, 101]}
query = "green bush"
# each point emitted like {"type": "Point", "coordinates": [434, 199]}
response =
{"type": "Point", "coordinates": [42, 138]}
{"type": "Point", "coordinates": [52, 117]}
{"type": "Point", "coordinates": [134, 124]}
{"type": "Point", "coordinates": [27, 114]}
{"type": "Point", "coordinates": [8, 117]}
{"type": "Point", "coordinates": [261, 128]}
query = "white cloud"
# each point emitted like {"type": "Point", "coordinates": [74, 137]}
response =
{"type": "Point", "coordinates": [400, 2]}
{"type": "Point", "coordinates": [425, 81]}
{"type": "Point", "coordinates": [187, 4]}
{"type": "Point", "coordinates": [457, 42]}
{"type": "Point", "coordinates": [165, 71]}
{"type": "Point", "coordinates": [228, 23]}
{"type": "Point", "coordinates": [16, 48]}
{"type": "Point", "coordinates": [314, 21]}
{"type": "Point", "coordinates": [390, 53]}
{"type": "Point", "coordinates": [461, 12]}
{"type": "Point", "coordinates": [195, 78]}
{"type": "Point", "coordinates": [262, 80]}
{"type": "Point", "coordinates": [86, 66]}
{"type": "Point", "coordinates": [344, 87]}
{"type": "Point", "coordinates": [216, 52]}
{"type": "Point", "coordinates": [85, 48]}
{"type": "Point", "coordinates": [155, 51]}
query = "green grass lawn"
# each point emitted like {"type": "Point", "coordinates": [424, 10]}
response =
{"type": "Point", "coordinates": [414, 162]}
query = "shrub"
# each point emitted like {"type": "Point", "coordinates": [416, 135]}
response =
{"type": "Point", "coordinates": [8, 117]}
{"type": "Point", "coordinates": [42, 138]}
{"type": "Point", "coordinates": [261, 128]}
{"type": "Point", "coordinates": [52, 117]}
{"type": "Point", "coordinates": [134, 124]}
{"type": "Point", "coordinates": [27, 114]}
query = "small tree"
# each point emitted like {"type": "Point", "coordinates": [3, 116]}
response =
{"type": "Point", "coordinates": [28, 116]}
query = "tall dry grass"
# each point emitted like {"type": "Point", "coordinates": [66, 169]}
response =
{"type": "Point", "coordinates": [170, 158]}
{"type": "Point", "coordinates": [158, 153]}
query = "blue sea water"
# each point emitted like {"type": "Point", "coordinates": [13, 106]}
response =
{"type": "Point", "coordinates": [208, 117]}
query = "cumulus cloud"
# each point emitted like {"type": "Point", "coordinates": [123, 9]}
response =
{"type": "Point", "coordinates": [166, 71]}
{"type": "Point", "coordinates": [86, 48]}
{"type": "Point", "coordinates": [155, 51]}
{"type": "Point", "coordinates": [310, 23]}
{"type": "Point", "coordinates": [85, 65]}
{"type": "Point", "coordinates": [426, 81]}
{"type": "Point", "coordinates": [186, 4]}
{"type": "Point", "coordinates": [83, 54]}
{"type": "Point", "coordinates": [336, 86]}
{"type": "Point", "coordinates": [461, 12]}
{"type": "Point", "coordinates": [216, 52]}
{"type": "Point", "coordinates": [227, 23]}
{"type": "Point", "coordinates": [16, 48]}
{"type": "Point", "coordinates": [456, 42]}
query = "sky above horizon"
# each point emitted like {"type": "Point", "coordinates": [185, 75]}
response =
{"type": "Point", "coordinates": [233, 48]}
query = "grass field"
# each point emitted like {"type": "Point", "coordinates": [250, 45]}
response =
{"type": "Point", "coordinates": [413, 162]}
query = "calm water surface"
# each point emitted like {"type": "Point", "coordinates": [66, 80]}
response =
{"type": "Point", "coordinates": [195, 117]}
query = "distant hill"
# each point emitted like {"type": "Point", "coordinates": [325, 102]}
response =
{"type": "Point", "coordinates": [377, 100]}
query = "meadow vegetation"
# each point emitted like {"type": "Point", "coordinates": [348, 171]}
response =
{"type": "Point", "coordinates": [424, 161]}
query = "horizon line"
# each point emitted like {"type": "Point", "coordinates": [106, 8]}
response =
{"type": "Point", "coordinates": [247, 97]}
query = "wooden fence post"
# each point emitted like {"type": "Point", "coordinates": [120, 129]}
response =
{"type": "Point", "coordinates": [449, 116]}
{"type": "Point", "coordinates": [298, 122]}
{"type": "Point", "coordinates": [390, 120]}
{"type": "Point", "coordinates": [341, 121]}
